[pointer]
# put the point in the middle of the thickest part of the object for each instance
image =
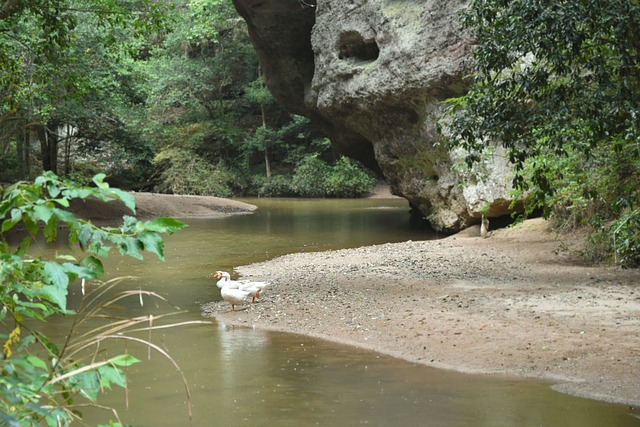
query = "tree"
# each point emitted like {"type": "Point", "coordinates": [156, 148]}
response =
{"type": "Point", "coordinates": [56, 56]}
{"type": "Point", "coordinates": [197, 76]}
{"type": "Point", "coordinates": [558, 85]}
{"type": "Point", "coordinates": [256, 92]}
{"type": "Point", "coordinates": [41, 381]}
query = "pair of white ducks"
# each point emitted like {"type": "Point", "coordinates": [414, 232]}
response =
{"type": "Point", "coordinates": [238, 291]}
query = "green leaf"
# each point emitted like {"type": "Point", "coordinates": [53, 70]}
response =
{"type": "Point", "coordinates": [88, 384]}
{"type": "Point", "coordinates": [129, 246]}
{"type": "Point", "coordinates": [164, 225]}
{"type": "Point", "coordinates": [127, 198]}
{"type": "Point", "coordinates": [65, 216]}
{"type": "Point", "coordinates": [24, 246]}
{"type": "Point", "coordinates": [110, 374]}
{"type": "Point", "coordinates": [98, 180]}
{"type": "Point", "coordinates": [41, 180]}
{"type": "Point", "coordinates": [55, 274]}
{"type": "Point", "coordinates": [93, 264]}
{"type": "Point", "coordinates": [16, 216]}
{"type": "Point", "coordinates": [33, 310]}
{"type": "Point", "coordinates": [124, 360]}
{"type": "Point", "coordinates": [78, 193]}
{"type": "Point", "coordinates": [50, 230]}
{"type": "Point", "coordinates": [37, 362]}
{"type": "Point", "coordinates": [58, 281]}
{"type": "Point", "coordinates": [42, 213]}
{"type": "Point", "coordinates": [62, 202]}
{"type": "Point", "coordinates": [31, 225]}
{"type": "Point", "coordinates": [53, 190]}
{"type": "Point", "coordinates": [153, 243]}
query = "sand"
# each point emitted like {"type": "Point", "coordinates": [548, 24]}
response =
{"type": "Point", "coordinates": [521, 302]}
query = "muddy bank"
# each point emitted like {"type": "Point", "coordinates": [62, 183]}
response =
{"type": "Point", "coordinates": [519, 302]}
{"type": "Point", "coordinates": [152, 205]}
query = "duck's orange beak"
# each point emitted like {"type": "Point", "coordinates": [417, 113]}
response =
{"type": "Point", "coordinates": [218, 274]}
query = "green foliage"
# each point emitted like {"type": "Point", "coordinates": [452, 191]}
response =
{"type": "Point", "coordinates": [256, 92]}
{"type": "Point", "coordinates": [558, 85]}
{"type": "Point", "coordinates": [69, 63]}
{"type": "Point", "coordinates": [164, 96]}
{"type": "Point", "coordinates": [348, 179]}
{"type": "Point", "coordinates": [626, 238]}
{"type": "Point", "coordinates": [275, 186]}
{"type": "Point", "coordinates": [183, 172]}
{"type": "Point", "coordinates": [316, 178]}
{"type": "Point", "coordinates": [40, 380]}
{"type": "Point", "coordinates": [309, 178]}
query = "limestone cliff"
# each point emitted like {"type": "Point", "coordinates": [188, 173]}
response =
{"type": "Point", "coordinates": [373, 74]}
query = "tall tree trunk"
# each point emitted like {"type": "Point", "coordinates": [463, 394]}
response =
{"type": "Point", "coordinates": [67, 150]}
{"type": "Point", "coordinates": [27, 153]}
{"type": "Point", "coordinates": [41, 135]}
{"type": "Point", "coordinates": [22, 154]}
{"type": "Point", "coordinates": [267, 164]}
{"type": "Point", "coordinates": [52, 139]}
{"type": "Point", "coordinates": [52, 142]}
{"type": "Point", "coordinates": [48, 146]}
{"type": "Point", "coordinates": [266, 161]}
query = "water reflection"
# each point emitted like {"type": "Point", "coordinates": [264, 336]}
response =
{"type": "Point", "coordinates": [247, 377]}
{"type": "Point", "coordinates": [251, 378]}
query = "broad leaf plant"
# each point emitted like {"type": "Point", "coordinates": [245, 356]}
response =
{"type": "Point", "coordinates": [42, 382]}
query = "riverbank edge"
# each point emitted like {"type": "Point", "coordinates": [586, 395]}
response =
{"type": "Point", "coordinates": [519, 303]}
{"type": "Point", "coordinates": [588, 344]}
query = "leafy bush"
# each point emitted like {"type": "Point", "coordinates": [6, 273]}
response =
{"type": "Point", "coordinates": [566, 112]}
{"type": "Point", "coordinates": [625, 235]}
{"type": "Point", "coordinates": [276, 186]}
{"type": "Point", "coordinates": [316, 178]}
{"type": "Point", "coordinates": [598, 193]}
{"type": "Point", "coordinates": [348, 179]}
{"type": "Point", "coordinates": [41, 381]}
{"type": "Point", "coordinates": [185, 173]}
{"type": "Point", "coordinates": [309, 178]}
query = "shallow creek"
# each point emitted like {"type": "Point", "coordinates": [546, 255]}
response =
{"type": "Point", "coordinates": [247, 377]}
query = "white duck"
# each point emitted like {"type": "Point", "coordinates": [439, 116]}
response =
{"type": "Point", "coordinates": [254, 288]}
{"type": "Point", "coordinates": [233, 296]}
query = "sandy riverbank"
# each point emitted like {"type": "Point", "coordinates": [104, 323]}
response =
{"type": "Point", "coordinates": [151, 205]}
{"type": "Point", "coordinates": [519, 302]}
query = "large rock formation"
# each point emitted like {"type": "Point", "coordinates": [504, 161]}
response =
{"type": "Point", "coordinates": [373, 74]}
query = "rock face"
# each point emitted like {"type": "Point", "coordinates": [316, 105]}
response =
{"type": "Point", "coordinates": [373, 74]}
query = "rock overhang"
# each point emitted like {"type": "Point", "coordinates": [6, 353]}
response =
{"type": "Point", "coordinates": [374, 74]}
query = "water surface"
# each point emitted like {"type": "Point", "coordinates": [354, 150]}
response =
{"type": "Point", "coordinates": [246, 377]}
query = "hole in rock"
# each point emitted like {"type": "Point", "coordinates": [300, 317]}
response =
{"type": "Point", "coordinates": [352, 45]}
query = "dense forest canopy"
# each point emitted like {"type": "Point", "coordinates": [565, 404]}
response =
{"type": "Point", "coordinates": [160, 95]}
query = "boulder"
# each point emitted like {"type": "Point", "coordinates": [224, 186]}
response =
{"type": "Point", "coordinates": [374, 74]}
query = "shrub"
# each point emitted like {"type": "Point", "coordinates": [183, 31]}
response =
{"type": "Point", "coordinates": [276, 186]}
{"type": "Point", "coordinates": [185, 173]}
{"type": "Point", "coordinates": [316, 178]}
{"type": "Point", "coordinates": [309, 178]}
{"type": "Point", "coordinates": [598, 193]}
{"type": "Point", "coordinates": [42, 381]}
{"type": "Point", "coordinates": [625, 237]}
{"type": "Point", "coordinates": [348, 179]}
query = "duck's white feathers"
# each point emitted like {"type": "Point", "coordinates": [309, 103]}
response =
{"type": "Point", "coordinates": [252, 288]}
